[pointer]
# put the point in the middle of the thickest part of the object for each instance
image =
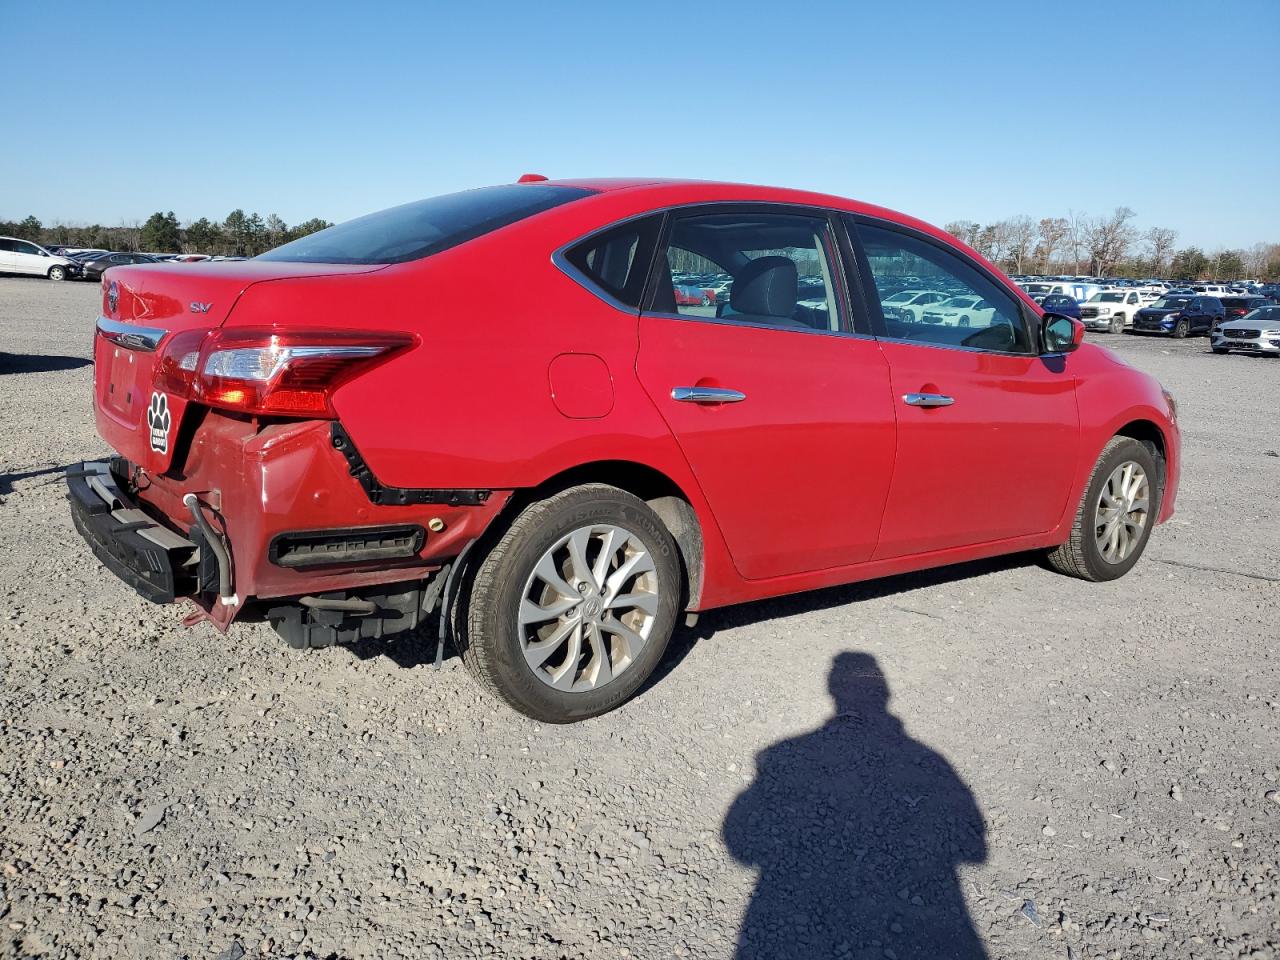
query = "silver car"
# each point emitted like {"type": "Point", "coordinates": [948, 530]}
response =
{"type": "Point", "coordinates": [1255, 332]}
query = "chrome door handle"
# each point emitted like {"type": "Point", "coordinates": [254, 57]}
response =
{"type": "Point", "coordinates": [927, 400]}
{"type": "Point", "coordinates": [707, 395]}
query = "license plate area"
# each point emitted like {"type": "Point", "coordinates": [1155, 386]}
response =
{"type": "Point", "coordinates": [119, 394]}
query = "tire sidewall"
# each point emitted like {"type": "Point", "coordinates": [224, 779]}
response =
{"type": "Point", "coordinates": [494, 624]}
{"type": "Point", "coordinates": [1112, 458]}
{"type": "Point", "coordinates": [57, 273]}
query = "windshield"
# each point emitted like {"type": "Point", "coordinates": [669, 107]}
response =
{"type": "Point", "coordinates": [1107, 298]}
{"type": "Point", "coordinates": [424, 227]}
{"type": "Point", "coordinates": [901, 297]}
{"type": "Point", "coordinates": [1262, 315]}
{"type": "Point", "coordinates": [959, 303]}
{"type": "Point", "coordinates": [1038, 288]}
{"type": "Point", "coordinates": [1170, 303]}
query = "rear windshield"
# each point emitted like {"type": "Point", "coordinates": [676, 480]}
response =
{"type": "Point", "coordinates": [419, 229]}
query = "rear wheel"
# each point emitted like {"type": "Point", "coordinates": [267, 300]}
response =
{"type": "Point", "coordinates": [572, 608]}
{"type": "Point", "coordinates": [1116, 514]}
{"type": "Point", "coordinates": [57, 272]}
{"type": "Point", "coordinates": [1181, 329]}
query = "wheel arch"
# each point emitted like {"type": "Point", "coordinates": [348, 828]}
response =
{"type": "Point", "coordinates": [663, 495]}
{"type": "Point", "coordinates": [1149, 434]}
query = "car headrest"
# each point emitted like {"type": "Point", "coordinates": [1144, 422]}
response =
{"type": "Point", "coordinates": [766, 286]}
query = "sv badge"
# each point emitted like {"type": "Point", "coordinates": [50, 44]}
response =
{"type": "Point", "coordinates": [198, 307]}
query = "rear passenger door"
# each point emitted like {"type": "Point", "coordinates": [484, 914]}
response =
{"type": "Point", "coordinates": [987, 429]}
{"type": "Point", "coordinates": [778, 398]}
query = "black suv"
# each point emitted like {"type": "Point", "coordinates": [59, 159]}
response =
{"type": "Point", "coordinates": [1180, 315]}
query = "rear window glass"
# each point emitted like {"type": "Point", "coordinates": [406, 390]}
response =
{"type": "Point", "coordinates": [419, 229]}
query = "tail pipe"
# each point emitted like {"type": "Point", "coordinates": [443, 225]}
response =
{"type": "Point", "coordinates": [217, 545]}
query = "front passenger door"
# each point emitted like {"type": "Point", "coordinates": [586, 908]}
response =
{"type": "Point", "coordinates": [987, 429]}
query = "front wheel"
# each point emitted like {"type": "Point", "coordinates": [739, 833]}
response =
{"type": "Point", "coordinates": [57, 272]}
{"type": "Point", "coordinates": [1115, 517]}
{"type": "Point", "coordinates": [571, 609]}
{"type": "Point", "coordinates": [1181, 329]}
{"type": "Point", "coordinates": [1117, 324]}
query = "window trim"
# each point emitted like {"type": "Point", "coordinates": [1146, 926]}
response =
{"type": "Point", "coordinates": [1032, 321]}
{"type": "Point", "coordinates": [844, 299]}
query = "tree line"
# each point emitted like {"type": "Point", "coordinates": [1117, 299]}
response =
{"type": "Point", "coordinates": [238, 235]}
{"type": "Point", "coordinates": [1109, 246]}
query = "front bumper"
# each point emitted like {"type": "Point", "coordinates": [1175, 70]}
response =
{"type": "Point", "coordinates": [1265, 342]}
{"type": "Point", "coordinates": [155, 561]}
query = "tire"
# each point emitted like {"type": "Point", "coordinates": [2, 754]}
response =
{"type": "Point", "coordinates": [1181, 329]}
{"type": "Point", "coordinates": [1082, 556]}
{"type": "Point", "coordinates": [57, 272]}
{"type": "Point", "coordinates": [706, 300]}
{"type": "Point", "coordinates": [964, 321]}
{"type": "Point", "coordinates": [500, 647]}
{"type": "Point", "coordinates": [1117, 324]}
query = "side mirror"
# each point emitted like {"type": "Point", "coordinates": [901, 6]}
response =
{"type": "Point", "coordinates": [1060, 334]}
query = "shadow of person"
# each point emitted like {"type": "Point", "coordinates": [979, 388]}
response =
{"type": "Point", "coordinates": [856, 830]}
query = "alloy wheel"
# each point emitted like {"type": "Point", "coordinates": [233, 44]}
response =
{"type": "Point", "coordinates": [1122, 511]}
{"type": "Point", "coordinates": [588, 608]}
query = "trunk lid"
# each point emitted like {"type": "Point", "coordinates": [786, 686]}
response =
{"type": "Point", "coordinates": [143, 308]}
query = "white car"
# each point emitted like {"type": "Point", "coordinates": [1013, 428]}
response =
{"type": "Point", "coordinates": [1111, 310]}
{"type": "Point", "coordinates": [1256, 332]}
{"type": "Point", "coordinates": [23, 256]}
{"type": "Point", "coordinates": [965, 311]}
{"type": "Point", "coordinates": [909, 305]}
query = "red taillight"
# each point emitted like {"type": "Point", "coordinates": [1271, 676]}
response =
{"type": "Point", "coordinates": [179, 360]}
{"type": "Point", "coordinates": [289, 373]}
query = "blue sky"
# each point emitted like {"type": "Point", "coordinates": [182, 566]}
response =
{"type": "Point", "coordinates": [945, 110]}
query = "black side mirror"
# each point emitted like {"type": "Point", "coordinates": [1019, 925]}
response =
{"type": "Point", "coordinates": [1060, 334]}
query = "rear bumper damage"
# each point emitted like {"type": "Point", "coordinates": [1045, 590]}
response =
{"type": "Point", "coordinates": [282, 517]}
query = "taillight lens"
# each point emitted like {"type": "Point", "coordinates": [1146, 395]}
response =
{"type": "Point", "coordinates": [179, 361]}
{"type": "Point", "coordinates": [272, 372]}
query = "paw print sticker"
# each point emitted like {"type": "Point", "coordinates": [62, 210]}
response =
{"type": "Point", "coordinates": [158, 421]}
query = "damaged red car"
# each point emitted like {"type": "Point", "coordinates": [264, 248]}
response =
{"type": "Point", "coordinates": [340, 434]}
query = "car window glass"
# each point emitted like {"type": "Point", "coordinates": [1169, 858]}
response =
{"type": "Point", "coordinates": [8, 246]}
{"type": "Point", "coordinates": [758, 268]}
{"type": "Point", "coordinates": [617, 261]}
{"type": "Point", "coordinates": [892, 256]}
{"type": "Point", "coordinates": [23, 247]}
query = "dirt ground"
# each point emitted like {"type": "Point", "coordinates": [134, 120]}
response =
{"type": "Point", "coordinates": [994, 755]}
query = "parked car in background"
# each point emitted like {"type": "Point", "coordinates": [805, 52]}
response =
{"type": "Point", "coordinates": [190, 257]}
{"type": "Point", "coordinates": [80, 256]}
{"type": "Point", "coordinates": [94, 269]}
{"type": "Point", "coordinates": [1110, 310]}
{"type": "Point", "coordinates": [1237, 306]}
{"type": "Point", "coordinates": [965, 311]}
{"type": "Point", "coordinates": [31, 259]}
{"type": "Point", "coordinates": [1258, 331]}
{"type": "Point", "coordinates": [909, 305]}
{"type": "Point", "coordinates": [298, 445]}
{"type": "Point", "coordinates": [1061, 303]}
{"type": "Point", "coordinates": [1179, 316]}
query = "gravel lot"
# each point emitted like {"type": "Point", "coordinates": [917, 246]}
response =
{"type": "Point", "coordinates": [985, 758]}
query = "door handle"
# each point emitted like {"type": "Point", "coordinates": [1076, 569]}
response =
{"type": "Point", "coordinates": [707, 395]}
{"type": "Point", "coordinates": [927, 400]}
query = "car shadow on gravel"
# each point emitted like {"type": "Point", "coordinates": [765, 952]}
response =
{"type": "Point", "coordinates": [856, 830]}
{"type": "Point", "coordinates": [39, 363]}
{"type": "Point", "coordinates": [745, 614]}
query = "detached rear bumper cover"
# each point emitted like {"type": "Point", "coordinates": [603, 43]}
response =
{"type": "Point", "coordinates": [157, 562]}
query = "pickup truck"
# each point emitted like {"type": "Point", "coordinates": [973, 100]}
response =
{"type": "Point", "coordinates": [1111, 310]}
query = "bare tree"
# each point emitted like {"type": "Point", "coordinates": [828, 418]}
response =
{"type": "Point", "coordinates": [1077, 225]}
{"type": "Point", "coordinates": [966, 231]}
{"type": "Point", "coordinates": [1019, 238]}
{"type": "Point", "coordinates": [1108, 239]}
{"type": "Point", "coordinates": [1160, 241]}
{"type": "Point", "coordinates": [1052, 232]}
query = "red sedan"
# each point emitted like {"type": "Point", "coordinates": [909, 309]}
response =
{"type": "Point", "coordinates": [340, 434]}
